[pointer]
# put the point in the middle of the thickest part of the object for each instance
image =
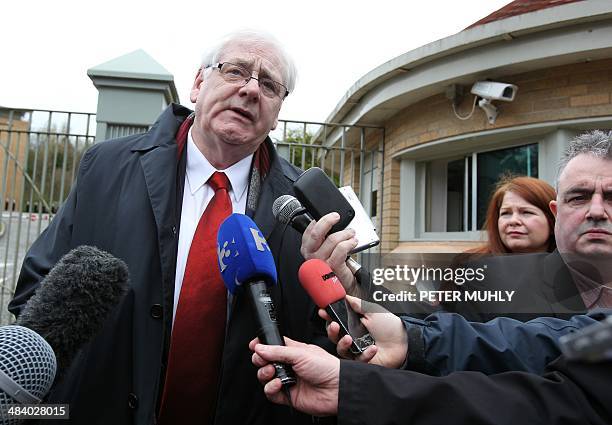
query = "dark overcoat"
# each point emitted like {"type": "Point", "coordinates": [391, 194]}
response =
{"type": "Point", "coordinates": [126, 201]}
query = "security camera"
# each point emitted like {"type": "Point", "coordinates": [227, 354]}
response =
{"type": "Point", "coordinates": [489, 109]}
{"type": "Point", "coordinates": [492, 90]}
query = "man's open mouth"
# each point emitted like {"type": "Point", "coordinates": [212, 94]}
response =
{"type": "Point", "coordinates": [245, 113]}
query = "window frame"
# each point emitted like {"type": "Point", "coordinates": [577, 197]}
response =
{"type": "Point", "coordinates": [551, 139]}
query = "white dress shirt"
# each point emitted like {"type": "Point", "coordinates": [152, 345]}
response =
{"type": "Point", "coordinates": [196, 196]}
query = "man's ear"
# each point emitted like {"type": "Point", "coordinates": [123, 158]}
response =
{"type": "Point", "coordinates": [553, 207]}
{"type": "Point", "coordinates": [197, 82]}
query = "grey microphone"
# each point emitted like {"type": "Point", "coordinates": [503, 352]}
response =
{"type": "Point", "coordinates": [68, 309]}
{"type": "Point", "coordinates": [288, 210]}
{"type": "Point", "coordinates": [27, 369]}
{"type": "Point", "coordinates": [73, 301]}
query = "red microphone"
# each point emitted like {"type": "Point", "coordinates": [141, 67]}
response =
{"type": "Point", "coordinates": [323, 286]}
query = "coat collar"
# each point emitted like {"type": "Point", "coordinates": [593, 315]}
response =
{"type": "Point", "coordinates": [163, 131]}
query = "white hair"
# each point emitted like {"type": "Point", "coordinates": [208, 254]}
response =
{"type": "Point", "coordinates": [212, 55]}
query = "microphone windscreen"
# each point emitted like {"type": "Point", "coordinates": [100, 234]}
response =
{"type": "Point", "coordinates": [27, 360]}
{"type": "Point", "coordinates": [320, 282]}
{"type": "Point", "coordinates": [73, 301]}
{"type": "Point", "coordinates": [284, 208]}
{"type": "Point", "coordinates": [243, 253]}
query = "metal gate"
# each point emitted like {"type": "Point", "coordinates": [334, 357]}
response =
{"type": "Point", "coordinates": [39, 154]}
{"type": "Point", "coordinates": [40, 151]}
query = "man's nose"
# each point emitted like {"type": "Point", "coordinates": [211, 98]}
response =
{"type": "Point", "coordinates": [251, 89]}
{"type": "Point", "coordinates": [597, 208]}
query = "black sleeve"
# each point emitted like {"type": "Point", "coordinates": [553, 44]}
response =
{"type": "Point", "coordinates": [446, 342]}
{"type": "Point", "coordinates": [568, 393]}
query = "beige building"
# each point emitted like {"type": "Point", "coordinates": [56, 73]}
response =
{"type": "Point", "coordinates": [440, 162]}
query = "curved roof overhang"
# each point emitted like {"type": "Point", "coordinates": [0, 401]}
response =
{"type": "Point", "coordinates": [570, 33]}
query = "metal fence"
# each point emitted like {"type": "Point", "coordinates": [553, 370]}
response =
{"type": "Point", "coordinates": [40, 151]}
{"type": "Point", "coordinates": [39, 154]}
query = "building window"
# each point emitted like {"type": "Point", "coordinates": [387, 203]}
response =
{"type": "Point", "coordinates": [457, 189]}
{"type": "Point", "coordinates": [374, 204]}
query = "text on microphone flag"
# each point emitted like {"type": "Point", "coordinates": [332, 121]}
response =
{"type": "Point", "coordinates": [243, 252]}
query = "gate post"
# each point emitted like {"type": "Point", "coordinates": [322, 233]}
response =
{"type": "Point", "coordinates": [133, 90]}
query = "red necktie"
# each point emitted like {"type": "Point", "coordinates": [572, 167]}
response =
{"type": "Point", "coordinates": [196, 347]}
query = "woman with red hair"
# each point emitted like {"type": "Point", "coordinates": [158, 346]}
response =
{"type": "Point", "coordinates": [518, 218]}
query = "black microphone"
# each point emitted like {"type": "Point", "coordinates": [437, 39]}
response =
{"type": "Point", "coordinates": [247, 266]}
{"type": "Point", "coordinates": [288, 210]}
{"type": "Point", "coordinates": [74, 299]}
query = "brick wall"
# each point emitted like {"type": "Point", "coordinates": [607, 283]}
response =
{"type": "Point", "coordinates": [559, 93]}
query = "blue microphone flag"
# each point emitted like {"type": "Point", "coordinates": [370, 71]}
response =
{"type": "Point", "coordinates": [243, 253]}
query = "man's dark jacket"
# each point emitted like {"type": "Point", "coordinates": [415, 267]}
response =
{"type": "Point", "coordinates": [127, 201]}
{"type": "Point", "coordinates": [444, 342]}
{"type": "Point", "coordinates": [569, 393]}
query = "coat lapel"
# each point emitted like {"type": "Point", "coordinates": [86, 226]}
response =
{"type": "Point", "coordinates": [159, 166]}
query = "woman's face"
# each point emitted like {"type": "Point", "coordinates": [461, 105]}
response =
{"type": "Point", "coordinates": [522, 226]}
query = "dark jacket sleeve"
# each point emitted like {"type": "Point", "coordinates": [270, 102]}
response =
{"type": "Point", "coordinates": [569, 393]}
{"type": "Point", "coordinates": [446, 342]}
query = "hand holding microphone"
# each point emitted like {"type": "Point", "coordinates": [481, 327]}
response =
{"type": "Point", "coordinates": [318, 197]}
{"type": "Point", "coordinates": [316, 391]}
{"type": "Point", "coordinates": [391, 347]}
{"type": "Point", "coordinates": [321, 283]}
{"type": "Point", "coordinates": [334, 249]}
{"type": "Point", "coordinates": [247, 266]}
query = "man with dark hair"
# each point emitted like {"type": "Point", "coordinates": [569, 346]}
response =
{"type": "Point", "coordinates": [583, 209]}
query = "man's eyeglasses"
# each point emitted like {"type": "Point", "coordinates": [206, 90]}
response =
{"type": "Point", "coordinates": [236, 74]}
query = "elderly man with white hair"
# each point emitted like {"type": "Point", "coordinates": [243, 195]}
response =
{"type": "Point", "coordinates": [175, 352]}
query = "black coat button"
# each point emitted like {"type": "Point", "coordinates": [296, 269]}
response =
{"type": "Point", "coordinates": [132, 401]}
{"type": "Point", "coordinates": [157, 311]}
